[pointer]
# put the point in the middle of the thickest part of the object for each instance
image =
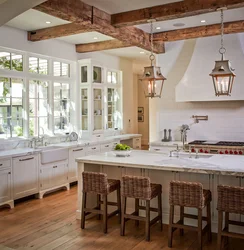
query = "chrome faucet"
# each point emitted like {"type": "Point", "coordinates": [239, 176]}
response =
{"type": "Point", "coordinates": [175, 150]}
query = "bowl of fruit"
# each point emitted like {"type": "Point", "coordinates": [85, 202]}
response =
{"type": "Point", "coordinates": [122, 150]}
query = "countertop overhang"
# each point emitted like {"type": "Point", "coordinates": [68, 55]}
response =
{"type": "Point", "coordinates": [216, 164]}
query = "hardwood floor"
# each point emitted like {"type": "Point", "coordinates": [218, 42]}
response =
{"type": "Point", "coordinates": [50, 224]}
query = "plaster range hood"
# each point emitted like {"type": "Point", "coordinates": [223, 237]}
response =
{"type": "Point", "coordinates": [197, 85]}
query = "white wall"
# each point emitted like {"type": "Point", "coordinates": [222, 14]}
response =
{"type": "Point", "coordinates": [226, 118]}
{"type": "Point", "coordinates": [17, 39]}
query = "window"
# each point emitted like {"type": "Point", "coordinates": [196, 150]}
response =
{"type": "Point", "coordinates": [61, 107]}
{"type": "Point", "coordinates": [11, 61]}
{"type": "Point", "coordinates": [112, 77]}
{"type": "Point", "coordinates": [38, 107]}
{"type": "Point", "coordinates": [38, 65]}
{"type": "Point", "coordinates": [11, 106]}
{"type": "Point", "coordinates": [61, 69]}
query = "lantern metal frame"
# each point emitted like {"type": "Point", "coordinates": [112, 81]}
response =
{"type": "Point", "coordinates": [223, 74]}
{"type": "Point", "coordinates": [152, 74]}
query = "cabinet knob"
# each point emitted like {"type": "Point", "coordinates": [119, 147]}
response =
{"type": "Point", "coordinates": [9, 172]}
{"type": "Point", "coordinates": [1, 164]}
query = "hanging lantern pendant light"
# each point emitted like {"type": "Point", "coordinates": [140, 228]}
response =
{"type": "Point", "coordinates": [152, 79]}
{"type": "Point", "coordinates": [223, 75]}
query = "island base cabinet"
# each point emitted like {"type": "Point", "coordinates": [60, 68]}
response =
{"type": "Point", "coordinates": [53, 176]}
{"type": "Point", "coordinates": [5, 187]}
{"type": "Point", "coordinates": [25, 176]}
{"type": "Point", "coordinates": [73, 154]}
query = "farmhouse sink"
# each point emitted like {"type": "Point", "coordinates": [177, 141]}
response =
{"type": "Point", "coordinates": [53, 153]}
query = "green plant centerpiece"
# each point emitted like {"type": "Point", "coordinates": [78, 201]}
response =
{"type": "Point", "coordinates": [122, 150]}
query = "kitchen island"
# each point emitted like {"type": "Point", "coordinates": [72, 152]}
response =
{"type": "Point", "coordinates": [210, 170]}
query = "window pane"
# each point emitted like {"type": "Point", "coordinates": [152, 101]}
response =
{"type": "Point", "coordinates": [56, 68]}
{"type": "Point", "coordinates": [65, 69]}
{"type": "Point", "coordinates": [43, 89]}
{"type": "Point", "coordinates": [61, 123]}
{"type": "Point", "coordinates": [33, 107]}
{"type": "Point", "coordinates": [33, 126]}
{"type": "Point", "coordinates": [5, 62]}
{"type": "Point", "coordinates": [17, 87]}
{"type": "Point", "coordinates": [43, 66]}
{"type": "Point", "coordinates": [17, 127]}
{"type": "Point", "coordinates": [57, 108]}
{"type": "Point", "coordinates": [114, 77]}
{"type": "Point", "coordinates": [17, 109]}
{"type": "Point", "coordinates": [43, 124]}
{"type": "Point", "coordinates": [57, 90]}
{"type": "Point", "coordinates": [33, 64]}
{"type": "Point", "coordinates": [65, 91]}
{"type": "Point", "coordinates": [17, 62]}
{"type": "Point", "coordinates": [43, 107]}
{"type": "Point", "coordinates": [4, 89]}
{"type": "Point", "coordinates": [109, 77]}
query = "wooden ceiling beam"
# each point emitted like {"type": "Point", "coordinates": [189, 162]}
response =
{"type": "Point", "coordinates": [171, 11]}
{"type": "Point", "coordinates": [201, 31]}
{"type": "Point", "coordinates": [99, 46]}
{"type": "Point", "coordinates": [58, 31]}
{"type": "Point", "coordinates": [83, 14]}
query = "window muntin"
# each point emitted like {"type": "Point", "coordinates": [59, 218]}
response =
{"type": "Point", "coordinates": [11, 107]}
{"type": "Point", "coordinates": [11, 61]}
{"type": "Point", "coordinates": [38, 107]}
{"type": "Point", "coordinates": [61, 69]}
{"type": "Point", "coordinates": [61, 107]}
{"type": "Point", "coordinates": [38, 65]}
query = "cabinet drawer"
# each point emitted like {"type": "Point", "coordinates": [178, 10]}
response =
{"type": "Point", "coordinates": [106, 147]}
{"type": "Point", "coordinates": [92, 150]}
{"type": "Point", "coordinates": [97, 136]}
{"type": "Point", "coordinates": [80, 149]}
{"type": "Point", "coordinates": [5, 164]}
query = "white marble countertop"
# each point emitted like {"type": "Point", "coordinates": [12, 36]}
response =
{"type": "Point", "coordinates": [166, 143]}
{"type": "Point", "coordinates": [18, 152]}
{"type": "Point", "coordinates": [215, 164]}
{"type": "Point", "coordinates": [26, 151]}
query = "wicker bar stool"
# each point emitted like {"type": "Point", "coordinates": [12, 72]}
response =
{"type": "Point", "coordinates": [140, 188]}
{"type": "Point", "coordinates": [230, 200]}
{"type": "Point", "coordinates": [189, 194]}
{"type": "Point", "coordinates": [98, 183]}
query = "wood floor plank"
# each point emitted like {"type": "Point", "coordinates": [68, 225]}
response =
{"type": "Point", "coordinates": [50, 224]}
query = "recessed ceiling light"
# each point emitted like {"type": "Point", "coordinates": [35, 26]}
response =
{"type": "Point", "coordinates": [142, 52]}
{"type": "Point", "coordinates": [203, 21]}
{"type": "Point", "coordinates": [95, 38]}
{"type": "Point", "coordinates": [48, 22]}
{"type": "Point", "coordinates": [178, 24]}
{"type": "Point", "coordinates": [158, 28]}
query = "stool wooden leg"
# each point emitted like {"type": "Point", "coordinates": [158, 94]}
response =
{"type": "Point", "coordinates": [181, 220]}
{"type": "Point", "coordinates": [209, 222]}
{"type": "Point", "coordinates": [119, 204]}
{"type": "Point", "coordinates": [105, 213]}
{"type": "Point", "coordinates": [122, 227]}
{"type": "Point", "coordinates": [171, 221]}
{"type": "Point", "coordinates": [199, 229]}
{"type": "Point", "coordinates": [220, 222]}
{"type": "Point", "coordinates": [226, 227]}
{"type": "Point", "coordinates": [99, 205]}
{"type": "Point", "coordinates": [148, 220]}
{"type": "Point", "coordinates": [137, 211]}
{"type": "Point", "coordinates": [160, 213]}
{"type": "Point", "coordinates": [83, 217]}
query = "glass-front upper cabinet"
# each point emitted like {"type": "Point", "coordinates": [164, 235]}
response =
{"type": "Point", "coordinates": [98, 109]}
{"type": "Point", "coordinates": [84, 109]}
{"type": "Point", "coordinates": [112, 77]}
{"type": "Point", "coordinates": [114, 116]}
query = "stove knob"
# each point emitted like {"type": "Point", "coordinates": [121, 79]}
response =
{"type": "Point", "coordinates": [231, 152]}
{"type": "Point", "coordinates": [206, 151]}
{"type": "Point", "coordinates": [226, 152]}
{"type": "Point", "coordinates": [220, 152]}
{"type": "Point", "coordinates": [201, 150]}
{"type": "Point", "coordinates": [192, 150]}
{"type": "Point", "coordinates": [235, 152]}
{"type": "Point", "coordinates": [240, 153]}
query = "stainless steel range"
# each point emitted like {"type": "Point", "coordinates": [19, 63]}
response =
{"type": "Point", "coordinates": [217, 147]}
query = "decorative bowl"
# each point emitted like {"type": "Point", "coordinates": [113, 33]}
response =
{"type": "Point", "coordinates": [122, 153]}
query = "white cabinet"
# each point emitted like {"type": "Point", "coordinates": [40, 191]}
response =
{"type": "Point", "coordinates": [53, 176]}
{"type": "Point", "coordinates": [5, 186]}
{"type": "Point", "coordinates": [73, 154]}
{"type": "Point", "coordinates": [106, 147]}
{"type": "Point", "coordinates": [134, 143]}
{"type": "Point", "coordinates": [100, 95]}
{"type": "Point", "coordinates": [25, 176]}
{"type": "Point", "coordinates": [91, 150]}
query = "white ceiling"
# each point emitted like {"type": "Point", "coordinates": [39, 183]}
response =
{"type": "Point", "coordinates": [85, 38]}
{"type": "Point", "coordinates": [116, 6]}
{"type": "Point", "coordinates": [211, 18]}
{"type": "Point", "coordinates": [33, 20]}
